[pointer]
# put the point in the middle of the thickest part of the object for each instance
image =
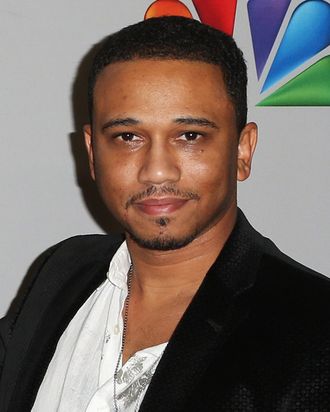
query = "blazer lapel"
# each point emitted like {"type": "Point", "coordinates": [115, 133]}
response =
{"type": "Point", "coordinates": [219, 306]}
{"type": "Point", "coordinates": [63, 286]}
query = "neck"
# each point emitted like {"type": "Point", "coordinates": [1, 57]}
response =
{"type": "Point", "coordinates": [164, 274]}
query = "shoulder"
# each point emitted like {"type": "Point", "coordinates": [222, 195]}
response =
{"type": "Point", "coordinates": [71, 255]}
{"type": "Point", "coordinates": [58, 262]}
{"type": "Point", "coordinates": [274, 272]}
{"type": "Point", "coordinates": [291, 300]}
{"type": "Point", "coordinates": [281, 271]}
{"type": "Point", "coordinates": [86, 243]}
{"type": "Point", "coordinates": [78, 251]}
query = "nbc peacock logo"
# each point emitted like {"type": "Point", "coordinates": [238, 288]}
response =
{"type": "Point", "coordinates": [291, 44]}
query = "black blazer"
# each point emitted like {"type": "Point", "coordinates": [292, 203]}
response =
{"type": "Point", "coordinates": [256, 337]}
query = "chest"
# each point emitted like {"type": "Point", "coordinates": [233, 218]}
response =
{"type": "Point", "coordinates": [150, 326]}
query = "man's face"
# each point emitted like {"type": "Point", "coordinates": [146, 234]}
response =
{"type": "Point", "coordinates": [164, 149]}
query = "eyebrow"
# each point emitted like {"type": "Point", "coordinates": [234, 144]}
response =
{"type": "Point", "coordinates": [127, 121]}
{"type": "Point", "coordinates": [130, 121]}
{"type": "Point", "coordinates": [198, 121]}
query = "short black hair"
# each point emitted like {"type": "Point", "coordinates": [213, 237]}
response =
{"type": "Point", "coordinates": [176, 38]}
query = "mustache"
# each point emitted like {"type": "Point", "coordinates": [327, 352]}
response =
{"type": "Point", "coordinates": [160, 191]}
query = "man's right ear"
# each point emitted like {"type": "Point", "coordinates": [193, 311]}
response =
{"type": "Point", "coordinates": [89, 148]}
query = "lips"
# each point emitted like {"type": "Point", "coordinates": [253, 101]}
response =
{"type": "Point", "coordinates": [160, 206]}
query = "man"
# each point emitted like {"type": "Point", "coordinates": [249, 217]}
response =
{"type": "Point", "coordinates": [197, 311]}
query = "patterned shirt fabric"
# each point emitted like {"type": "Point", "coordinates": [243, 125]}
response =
{"type": "Point", "coordinates": [81, 372]}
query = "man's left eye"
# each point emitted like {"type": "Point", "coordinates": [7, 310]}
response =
{"type": "Point", "coordinates": [190, 136]}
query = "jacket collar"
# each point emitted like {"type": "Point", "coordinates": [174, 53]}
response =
{"type": "Point", "coordinates": [219, 306]}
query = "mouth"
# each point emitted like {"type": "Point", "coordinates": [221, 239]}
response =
{"type": "Point", "coordinates": [160, 206]}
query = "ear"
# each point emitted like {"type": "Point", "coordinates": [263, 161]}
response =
{"type": "Point", "coordinates": [89, 148]}
{"type": "Point", "coordinates": [246, 146]}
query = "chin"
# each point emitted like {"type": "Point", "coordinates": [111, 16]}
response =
{"type": "Point", "coordinates": [164, 242]}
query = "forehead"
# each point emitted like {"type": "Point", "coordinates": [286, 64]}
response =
{"type": "Point", "coordinates": [163, 84]}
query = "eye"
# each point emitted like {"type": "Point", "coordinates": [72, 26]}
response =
{"type": "Point", "coordinates": [128, 137]}
{"type": "Point", "coordinates": [190, 136]}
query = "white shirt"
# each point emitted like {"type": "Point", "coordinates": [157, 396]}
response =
{"type": "Point", "coordinates": [81, 373]}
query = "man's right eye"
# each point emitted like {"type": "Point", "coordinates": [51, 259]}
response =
{"type": "Point", "coordinates": [127, 137]}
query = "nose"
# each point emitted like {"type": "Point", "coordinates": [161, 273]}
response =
{"type": "Point", "coordinates": [159, 165]}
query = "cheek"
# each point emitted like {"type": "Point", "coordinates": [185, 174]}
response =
{"type": "Point", "coordinates": [211, 171]}
{"type": "Point", "coordinates": [113, 178]}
